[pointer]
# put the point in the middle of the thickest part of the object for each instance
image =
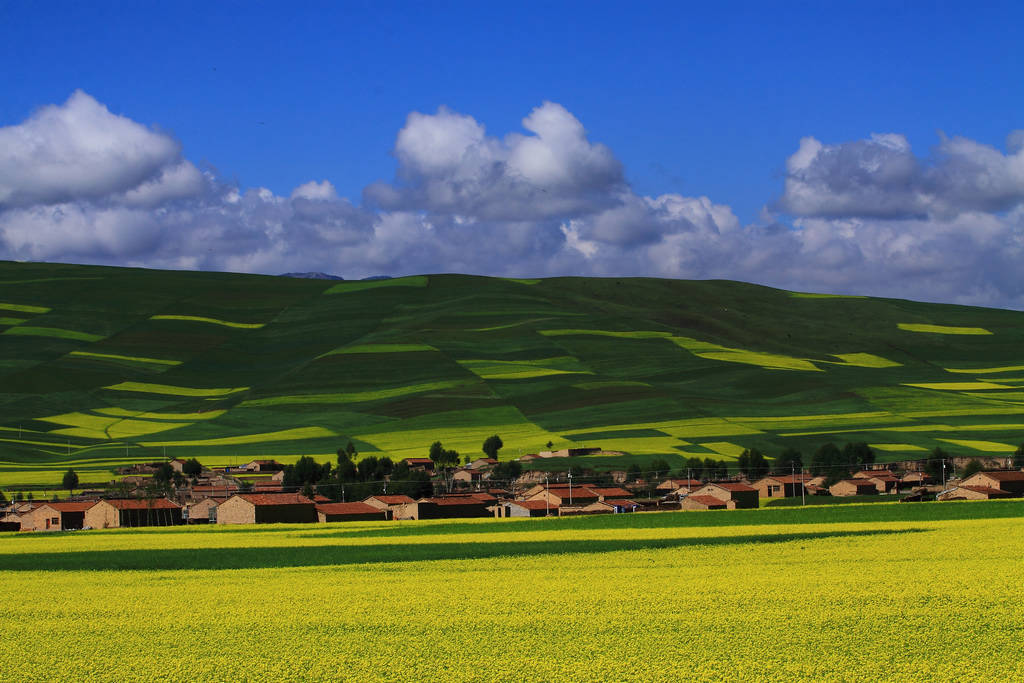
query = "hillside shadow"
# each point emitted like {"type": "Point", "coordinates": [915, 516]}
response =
{"type": "Point", "coordinates": [339, 555]}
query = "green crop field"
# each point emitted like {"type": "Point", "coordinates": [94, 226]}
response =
{"type": "Point", "coordinates": [926, 591]}
{"type": "Point", "coordinates": [100, 364]}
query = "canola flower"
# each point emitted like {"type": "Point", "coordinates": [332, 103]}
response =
{"type": "Point", "coordinates": [532, 599]}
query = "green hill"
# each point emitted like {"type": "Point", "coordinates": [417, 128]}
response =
{"type": "Point", "coordinates": [102, 365]}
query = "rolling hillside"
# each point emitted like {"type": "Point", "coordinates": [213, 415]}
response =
{"type": "Point", "coordinates": [99, 366]}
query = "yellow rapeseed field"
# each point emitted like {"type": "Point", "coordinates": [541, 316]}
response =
{"type": "Point", "coordinates": [654, 597]}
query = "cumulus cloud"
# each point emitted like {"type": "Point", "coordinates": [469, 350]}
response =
{"type": "Point", "coordinates": [881, 177]}
{"type": "Point", "coordinates": [80, 184]}
{"type": "Point", "coordinates": [449, 165]}
{"type": "Point", "coordinates": [78, 150]}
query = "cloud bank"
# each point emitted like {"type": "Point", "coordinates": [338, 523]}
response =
{"type": "Point", "coordinates": [81, 184]}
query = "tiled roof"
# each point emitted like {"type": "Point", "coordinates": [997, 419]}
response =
{"type": "Point", "coordinates": [348, 509]}
{"type": "Point", "coordinates": [142, 504]}
{"type": "Point", "coordinates": [710, 501]}
{"type": "Point", "coordinates": [393, 500]}
{"type": "Point", "coordinates": [729, 486]}
{"type": "Point", "coordinates": [452, 501]}
{"type": "Point", "coordinates": [988, 490]}
{"type": "Point", "coordinates": [275, 498]}
{"type": "Point", "coordinates": [72, 505]}
{"type": "Point", "coordinates": [611, 491]}
{"type": "Point", "coordinates": [1003, 475]}
{"type": "Point", "coordinates": [534, 504]}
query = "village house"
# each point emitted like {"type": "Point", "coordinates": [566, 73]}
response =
{"type": "Point", "coordinates": [481, 463]}
{"type": "Point", "coordinates": [529, 508]}
{"type": "Point", "coordinates": [470, 476]}
{"type": "Point", "coordinates": [673, 485]}
{"type": "Point", "coordinates": [884, 480]}
{"type": "Point", "coordinates": [177, 464]}
{"type": "Point", "coordinates": [393, 505]}
{"type": "Point", "coordinates": [565, 495]}
{"type": "Point", "coordinates": [266, 508]}
{"type": "Point", "coordinates": [448, 508]}
{"type": "Point", "coordinates": [419, 464]}
{"type": "Point", "coordinates": [613, 506]}
{"type": "Point", "coordinates": [1011, 481]}
{"type": "Point", "coordinates": [735, 495]}
{"type": "Point", "coordinates": [781, 485]}
{"type": "Point", "coordinates": [963, 492]}
{"type": "Point", "coordinates": [57, 516]}
{"type": "Point", "coordinates": [349, 512]}
{"type": "Point", "coordinates": [132, 512]}
{"type": "Point", "coordinates": [699, 502]}
{"type": "Point", "coordinates": [205, 511]}
{"type": "Point", "coordinates": [606, 492]}
{"type": "Point", "coordinates": [853, 487]}
{"type": "Point", "coordinates": [263, 466]}
{"type": "Point", "coordinates": [915, 479]}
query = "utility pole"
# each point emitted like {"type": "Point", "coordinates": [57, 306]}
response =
{"type": "Point", "coordinates": [547, 500]}
{"type": "Point", "coordinates": [570, 485]}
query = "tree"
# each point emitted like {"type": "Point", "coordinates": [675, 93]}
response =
{"type": "Point", "coordinates": [70, 480]}
{"type": "Point", "coordinates": [660, 468]}
{"type": "Point", "coordinates": [858, 454]}
{"type": "Point", "coordinates": [192, 468]}
{"type": "Point", "coordinates": [509, 471]}
{"type": "Point", "coordinates": [973, 467]}
{"type": "Point", "coordinates": [163, 476]}
{"type": "Point", "coordinates": [1018, 456]}
{"type": "Point", "coordinates": [753, 463]}
{"type": "Point", "coordinates": [549, 444]}
{"type": "Point", "coordinates": [827, 461]}
{"type": "Point", "coordinates": [788, 460]}
{"type": "Point", "coordinates": [441, 456]}
{"type": "Point", "coordinates": [492, 445]}
{"type": "Point", "coordinates": [934, 465]}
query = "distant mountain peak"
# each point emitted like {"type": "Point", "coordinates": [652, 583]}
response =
{"type": "Point", "coordinates": [313, 276]}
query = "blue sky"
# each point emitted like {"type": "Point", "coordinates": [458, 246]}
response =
{"type": "Point", "coordinates": [691, 100]}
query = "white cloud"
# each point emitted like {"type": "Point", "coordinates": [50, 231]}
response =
{"type": "Point", "coordinates": [80, 184]}
{"type": "Point", "coordinates": [78, 150]}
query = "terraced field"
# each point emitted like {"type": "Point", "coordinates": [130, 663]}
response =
{"type": "Point", "coordinates": [100, 366]}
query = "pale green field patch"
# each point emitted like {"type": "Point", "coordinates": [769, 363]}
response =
{"type": "Point", "coordinates": [983, 446]}
{"type": "Point", "coordinates": [169, 390]}
{"type": "Point", "coordinates": [523, 369]}
{"type": "Point", "coordinates": [810, 295]}
{"type": "Point", "coordinates": [356, 396]}
{"type": "Point", "coordinates": [941, 329]}
{"type": "Point", "coordinates": [12, 321]}
{"type": "Point", "coordinates": [769, 361]}
{"type": "Point", "coordinates": [122, 412]}
{"type": "Point", "coordinates": [55, 332]}
{"type": "Point", "coordinates": [212, 321]}
{"type": "Point", "coordinates": [360, 285]}
{"type": "Point", "coordinates": [608, 384]}
{"type": "Point", "coordinates": [522, 281]}
{"type": "Point", "coordinates": [130, 359]}
{"type": "Point", "coordinates": [635, 334]}
{"type": "Point", "coordinates": [986, 371]}
{"type": "Point", "coordinates": [122, 429]}
{"type": "Point", "coordinates": [957, 386]}
{"type": "Point", "coordinates": [295, 434]}
{"type": "Point", "coordinates": [723, 448]}
{"type": "Point", "coordinates": [865, 360]}
{"type": "Point", "coordinates": [379, 348]}
{"type": "Point", "coordinates": [896, 447]}
{"type": "Point", "coordinates": [22, 308]}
